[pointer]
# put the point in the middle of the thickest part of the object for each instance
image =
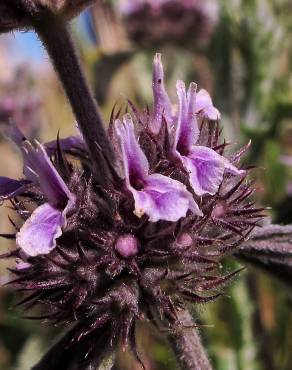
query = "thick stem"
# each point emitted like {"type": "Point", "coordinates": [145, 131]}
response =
{"type": "Point", "coordinates": [187, 345]}
{"type": "Point", "coordinates": [57, 40]}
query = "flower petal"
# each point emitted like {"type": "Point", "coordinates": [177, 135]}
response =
{"type": "Point", "coordinates": [206, 168]}
{"type": "Point", "coordinates": [135, 163]}
{"type": "Point", "coordinates": [39, 168]}
{"type": "Point", "coordinates": [39, 233]}
{"type": "Point", "coordinates": [70, 143]}
{"type": "Point", "coordinates": [10, 188]}
{"type": "Point", "coordinates": [162, 104]}
{"type": "Point", "coordinates": [205, 107]}
{"type": "Point", "coordinates": [187, 130]}
{"type": "Point", "coordinates": [164, 199]}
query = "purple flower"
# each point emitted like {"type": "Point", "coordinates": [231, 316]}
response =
{"type": "Point", "coordinates": [158, 196]}
{"type": "Point", "coordinates": [202, 103]}
{"type": "Point", "coordinates": [204, 165]}
{"type": "Point", "coordinates": [39, 233]}
{"type": "Point", "coordinates": [152, 23]}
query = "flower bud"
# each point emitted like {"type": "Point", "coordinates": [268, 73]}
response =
{"type": "Point", "coordinates": [184, 241]}
{"type": "Point", "coordinates": [127, 245]}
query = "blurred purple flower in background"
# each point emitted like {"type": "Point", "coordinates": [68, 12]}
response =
{"type": "Point", "coordinates": [186, 22]}
{"type": "Point", "coordinates": [287, 161]}
{"type": "Point", "coordinates": [20, 102]}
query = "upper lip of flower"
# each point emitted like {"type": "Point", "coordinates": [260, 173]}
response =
{"type": "Point", "coordinates": [39, 169]}
{"type": "Point", "coordinates": [162, 103]}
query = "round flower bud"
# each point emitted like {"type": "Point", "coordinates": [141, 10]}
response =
{"type": "Point", "coordinates": [127, 245]}
{"type": "Point", "coordinates": [184, 241]}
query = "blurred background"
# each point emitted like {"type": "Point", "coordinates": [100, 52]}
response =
{"type": "Point", "coordinates": [240, 51]}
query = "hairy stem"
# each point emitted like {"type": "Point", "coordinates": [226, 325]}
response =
{"type": "Point", "coordinates": [187, 345]}
{"type": "Point", "coordinates": [270, 248]}
{"type": "Point", "coordinates": [57, 40]}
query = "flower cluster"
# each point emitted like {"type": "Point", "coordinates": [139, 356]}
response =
{"type": "Point", "coordinates": [149, 240]}
{"type": "Point", "coordinates": [151, 23]}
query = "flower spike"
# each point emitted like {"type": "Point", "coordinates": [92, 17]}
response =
{"type": "Point", "coordinates": [102, 254]}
